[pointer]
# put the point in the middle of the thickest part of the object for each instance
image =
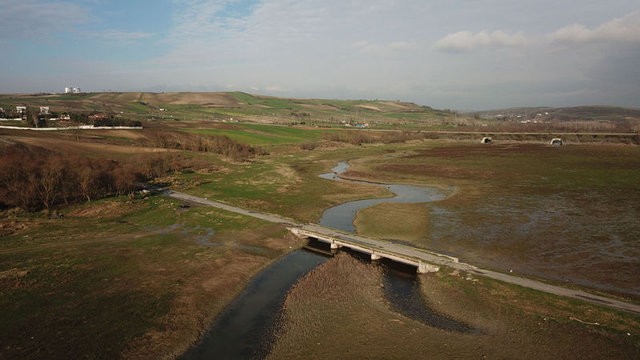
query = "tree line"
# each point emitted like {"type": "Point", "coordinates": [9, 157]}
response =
{"type": "Point", "coordinates": [217, 144]}
{"type": "Point", "coordinates": [34, 178]}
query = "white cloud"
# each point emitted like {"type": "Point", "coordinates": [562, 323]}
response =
{"type": "Point", "coordinates": [38, 18]}
{"type": "Point", "coordinates": [624, 30]}
{"type": "Point", "coordinates": [466, 40]}
{"type": "Point", "coordinates": [120, 36]}
{"type": "Point", "coordinates": [198, 18]}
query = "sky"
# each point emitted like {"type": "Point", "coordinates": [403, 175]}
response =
{"type": "Point", "coordinates": [448, 54]}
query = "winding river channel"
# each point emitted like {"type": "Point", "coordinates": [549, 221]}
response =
{"type": "Point", "coordinates": [244, 330]}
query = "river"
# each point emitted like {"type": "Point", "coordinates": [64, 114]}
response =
{"type": "Point", "coordinates": [244, 330]}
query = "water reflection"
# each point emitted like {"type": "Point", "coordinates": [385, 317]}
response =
{"type": "Point", "coordinates": [244, 330]}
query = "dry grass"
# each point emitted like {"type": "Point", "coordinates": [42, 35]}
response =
{"type": "Point", "coordinates": [208, 289]}
{"type": "Point", "coordinates": [209, 99]}
{"type": "Point", "coordinates": [185, 98]}
{"type": "Point", "coordinates": [103, 209]}
{"type": "Point", "coordinates": [565, 214]}
{"type": "Point", "coordinates": [406, 222]}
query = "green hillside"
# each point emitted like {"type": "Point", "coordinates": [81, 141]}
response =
{"type": "Point", "coordinates": [233, 107]}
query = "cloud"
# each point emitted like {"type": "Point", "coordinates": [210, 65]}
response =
{"type": "Point", "coordinates": [38, 18]}
{"type": "Point", "coordinates": [390, 48]}
{"type": "Point", "coordinates": [622, 30]}
{"type": "Point", "coordinates": [197, 19]}
{"type": "Point", "coordinates": [466, 41]}
{"type": "Point", "coordinates": [120, 36]}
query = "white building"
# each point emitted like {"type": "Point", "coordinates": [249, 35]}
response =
{"type": "Point", "coordinates": [44, 110]}
{"type": "Point", "coordinates": [71, 90]}
{"type": "Point", "coordinates": [21, 109]}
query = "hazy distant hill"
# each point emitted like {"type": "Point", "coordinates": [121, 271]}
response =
{"type": "Point", "coordinates": [239, 106]}
{"type": "Point", "coordinates": [584, 113]}
{"type": "Point", "coordinates": [230, 106]}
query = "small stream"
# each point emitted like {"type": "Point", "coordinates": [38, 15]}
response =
{"type": "Point", "coordinates": [244, 330]}
{"type": "Point", "coordinates": [401, 284]}
{"type": "Point", "coordinates": [341, 216]}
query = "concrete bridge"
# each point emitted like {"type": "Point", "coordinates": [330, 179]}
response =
{"type": "Point", "coordinates": [423, 261]}
{"type": "Point", "coordinates": [430, 261]}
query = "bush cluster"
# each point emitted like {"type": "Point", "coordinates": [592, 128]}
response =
{"type": "Point", "coordinates": [116, 122]}
{"type": "Point", "coordinates": [34, 178]}
{"type": "Point", "coordinates": [216, 144]}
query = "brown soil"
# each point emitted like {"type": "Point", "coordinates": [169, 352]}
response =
{"type": "Point", "coordinates": [439, 171]}
{"type": "Point", "coordinates": [71, 146]}
{"type": "Point", "coordinates": [127, 134]}
{"type": "Point", "coordinates": [338, 311]}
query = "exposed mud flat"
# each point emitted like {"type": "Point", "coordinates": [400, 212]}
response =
{"type": "Point", "coordinates": [339, 311]}
{"type": "Point", "coordinates": [567, 214]}
{"type": "Point", "coordinates": [558, 237]}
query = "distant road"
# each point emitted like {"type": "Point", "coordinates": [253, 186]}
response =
{"type": "Point", "coordinates": [428, 256]}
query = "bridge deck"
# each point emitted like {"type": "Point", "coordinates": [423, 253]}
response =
{"type": "Point", "coordinates": [409, 252]}
{"type": "Point", "coordinates": [377, 249]}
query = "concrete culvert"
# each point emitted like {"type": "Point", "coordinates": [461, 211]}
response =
{"type": "Point", "coordinates": [556, 142]}
{"type": "Point", "coordinates": [486, 140]}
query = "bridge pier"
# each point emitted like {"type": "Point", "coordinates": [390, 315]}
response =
{"type": "Point", "coordinates": [376, 252]}
{"type": "Point", "coordinates": [424, 268]}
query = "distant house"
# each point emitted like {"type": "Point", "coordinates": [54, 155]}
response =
{"type": "Point", "coordinates": [44, 110]}
{"type": "Point", "coordinates": [21, 109]}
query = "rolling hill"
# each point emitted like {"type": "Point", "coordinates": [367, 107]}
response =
{"type": "Point", "coordinates": [231, 106]}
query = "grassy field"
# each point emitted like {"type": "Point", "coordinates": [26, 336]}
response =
{"type": "Point", "coordinates": [394, 221]}
{"type": "Point", "coordinates": [262, 135]}
{"type": "Point", "coordinates": [139, 279]}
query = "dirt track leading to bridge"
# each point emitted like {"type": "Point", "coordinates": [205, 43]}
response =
{"type": "Point", "coordinates": [413, 252]}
